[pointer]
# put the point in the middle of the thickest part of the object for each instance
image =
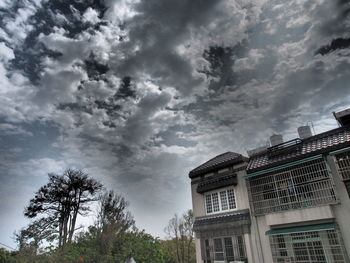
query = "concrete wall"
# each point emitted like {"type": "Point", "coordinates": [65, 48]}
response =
{"type": "Point", "coordinates": [241, 192]}
{"type": "Point", "coordinates": [341, 211]}
{"type": "Point", "coordinates": [198, 251]}
{"type": "Point", "coordinates": [197, 202]}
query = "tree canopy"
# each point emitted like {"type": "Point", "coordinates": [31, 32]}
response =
{"type": "Point", "coordinates": [60, 202]}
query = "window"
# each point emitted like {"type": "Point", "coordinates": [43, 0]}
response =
{"type": "Point", "coordinates": [225, 249]}
{"type": "Point", "coordinates": [207, 251]}
{"type": "Point", "coordinates": [208, 204]}
{"type": "Point", "coordinates": [320, 246]}
{"type": "Point", "coordinates": [218, 250]}
{"type": "Point", "coordinates": [304, 185]}
{"type": "Point", "coordinates": [229, 249]}
{"type": "Point", "coordinates": [220, 201]}
{"type": "Point", "coordinates": [343, 166]}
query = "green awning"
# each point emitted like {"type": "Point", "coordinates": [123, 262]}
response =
{"type": "Point", "coordinates": [340, 151]}
{"type": "Point", "coordinates": [300, 229]}
{"type": "Point", "coordinates": [283, 166]}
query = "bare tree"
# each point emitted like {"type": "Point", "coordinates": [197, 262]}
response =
{"type": "Point", "coordinates": [181, 231]}
{"type": "Point", "coordinates": [62, 199]}
{"type": "Point", "coordinates": [113, 218]}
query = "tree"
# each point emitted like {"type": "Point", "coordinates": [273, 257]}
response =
{"type": "Point", "coordinates": [180, 230]}
{"type": "Point", "coordinates": [7, 256]}
{"type": "Point", "coordinates": [113, 218]}
{"type": "Point", "coordinates": [61, 200]}
{"type": "Point", "coordinates": [143, 247]}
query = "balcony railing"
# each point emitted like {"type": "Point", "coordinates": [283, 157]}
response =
{"type": "Point", "coordinates": [304, 185]}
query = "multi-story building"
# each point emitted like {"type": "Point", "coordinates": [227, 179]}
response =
{"type": "Point", "coordinates": [221, 210]}
{"type": "Point", "coordinates": [287, 203]}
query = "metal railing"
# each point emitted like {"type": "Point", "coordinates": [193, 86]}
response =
{"type": "Point", "coordinates": [303, 185]}
{"type": "Point", "coordinates": [308, 247]}
{"type": "Point", "coordinates": [343, 165]}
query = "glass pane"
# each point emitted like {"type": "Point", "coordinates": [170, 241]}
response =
{"type": "Point", "coordinates": [207, 251]}
{"type": "Point", "coordinates": [218, 249]}
{"type": "Point", "coordinates": [241, 248]}
{"type": "Point", "coordinates": [231, 199]}
{"type": "Point", "coordinates": [215, 198]}
{"type": "Point", "coordinates": [228, 248]}
{"type": "Point", "coordinates": [208, 204]}
{"type": "Point", "coordinates": [223, 199]}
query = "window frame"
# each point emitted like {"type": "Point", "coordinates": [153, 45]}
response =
{"type": "Point", "coordinates": [238, 249]}
{"type": "Point", "coordinates": [218, 192]}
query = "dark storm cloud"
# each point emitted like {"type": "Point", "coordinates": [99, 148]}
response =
{"type": "Point", "coordinates": [139, 92]}
{"type": "Point", "coordinates": [158, 30]}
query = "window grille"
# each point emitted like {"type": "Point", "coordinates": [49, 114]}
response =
{"type": "Point", "coordinates": [223, 198]}
{"type": "Point", "coordinates": [343, 166]}
{"type": "Point", "coordinates": [208, 204]}
{"type": "Point", "coordinates": [218, 250]}
{"type": "Point", "coordinates": [304, 185]}
{"type": "Point", "coordinates": [225, 249]}
{"type": "Point", "coordinates": [215, 198]}
{"type": "Point", "coordinates": [220, 201]}
{"type": "Point", "coordinates": [231, 199]}
{"type": "Point", "coordinates": [308, 247]}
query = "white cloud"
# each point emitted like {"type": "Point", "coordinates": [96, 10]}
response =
{"type": "Point", "coordinates": [91, 16]}
{"type": "Point", "coordinates": [10, 129]}
{"type": "Point", "coordinates": [6, 53]}
{"type": "Point", "coordinates": [250, 62]}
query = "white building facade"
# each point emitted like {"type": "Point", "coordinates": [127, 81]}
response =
{"type": "Point", "coordinates": [288, 203]}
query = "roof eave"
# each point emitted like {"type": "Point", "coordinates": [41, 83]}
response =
{"type": "Point", "coordinates": [239, 159]}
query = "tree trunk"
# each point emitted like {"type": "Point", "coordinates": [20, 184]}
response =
{"type": "Point", "coordinates": [188, 249]}
{"type": "Point", "coordinates": [60, 230]}
{"type": "Point", "coordinates": [74, 218]}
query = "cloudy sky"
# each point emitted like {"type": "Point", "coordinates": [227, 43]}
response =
{"type": "Point", "coordinates": [137, 93]}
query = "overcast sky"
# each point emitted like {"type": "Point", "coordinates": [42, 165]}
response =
{"type": "Point", "coordinates": [138, 93]}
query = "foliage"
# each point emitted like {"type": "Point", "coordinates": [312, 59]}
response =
{"type": "Point", "coordinates": [113, 219]}
{"type": "Point", "coordinates": [143, 247]}
{"type": "Point", "coordinates": [7, 257]}
{"type": "Point", "coordinates": [61, 200]}
{"type": "Point", "coordinates": [112, 239]}
{"type": "Point", "coordinates": [180, 230]}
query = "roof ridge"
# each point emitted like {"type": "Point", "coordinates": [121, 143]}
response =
{"type": "Point", "coordinates": [216, 161]}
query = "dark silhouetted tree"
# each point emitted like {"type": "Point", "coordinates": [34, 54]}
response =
{"type": "Point", "coordinates": [61, 200]}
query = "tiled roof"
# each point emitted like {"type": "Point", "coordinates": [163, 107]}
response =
{"type": "Point", "coordinates": [321, 143]}
{"type": "Point", "coordinates": [217, 162]}
{"type": "Point", "coordinates": [223, 218]}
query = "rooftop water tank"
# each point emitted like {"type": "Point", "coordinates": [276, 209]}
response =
{"type": "Point", "coordinates": [276, 139]}
{"type": "Point", "coordinates": [304, 132]}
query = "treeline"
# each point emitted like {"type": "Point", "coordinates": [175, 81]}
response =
{"type": "Point", "coordinates": [53, 235]}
